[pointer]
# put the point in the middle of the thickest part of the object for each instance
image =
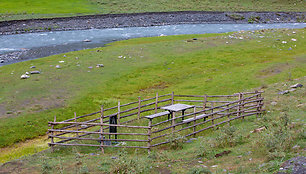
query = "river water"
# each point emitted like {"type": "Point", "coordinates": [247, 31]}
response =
{"type": "Point", "coordinates": [49, 43]}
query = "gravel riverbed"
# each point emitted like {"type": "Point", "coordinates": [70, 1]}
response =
{"type": "Point", "coordinates": [146, 19]}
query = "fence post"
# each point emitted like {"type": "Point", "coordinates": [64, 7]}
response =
{"type": "Point", "coordinates": [212, 111]}
{"type": "Point", "coordinates": [172, 97]}
{"type": "Point", "coordinates": [228, 115]}
{"type": "Point", "coordinates": [194, 122]}
{"type": "Point", "coordinates": [139, 107]}
{"type": "Point", "coordinates": [204, 102]}
{"type": "Point", "coordinates": [258, 104]}
{"type": "Point", "coordinates": [118, 114]}
{"type": "Point", "coordinates": [204, 105]}
{"type": "Point", "coordinates": [101, 129]}
{"type": "Point", "coordinates": [149, 135]}
{"type": "Point", "coordinates": [156, 102]}
{"type": "Point", "coordinates": [76, 125]}
{"type": "Point", "coordinates": [238, 108]}
{"type": "Point", "coordinates": [173, 122]}
{"type": "Point", "coordinates": [242, 105]}
{"type": "Point", "coordinates": [52, 134]}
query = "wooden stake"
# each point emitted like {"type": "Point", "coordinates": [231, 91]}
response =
{"type": "Point", "coordinates": [258, 104]}
{"type": "Point", "coordinates": [156, 102]}
{"type": "Point", "coordinates": [228, 116]}
{"type": "Point", "coordinates": [212, 111]}
{"type": "Point", "coordinates": [242, 106]}
{"type": "Point", "coordinates": [101, 128]}
{"type": "Point", "coordinates": [118, 114]}
{"type": "Point", "coordinates": [238, 109]}
{"type": "Point", "coordinates": [194, 122]}
{"type": "Point", "coordinates": [173, 122]}
{"type": "Point", "coordinates": [149, 136]}
{"type": "Point", "coordinates": [52, 134]}
{"type": "Point", "coordinates": [76, 125]}
{"type": "Point", "coordinates": [204, 102]}
{"type": "Point", "coordinates": [139, 107]}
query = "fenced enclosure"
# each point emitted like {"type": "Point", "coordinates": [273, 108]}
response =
{"type": "Point", "coordinates": [150, 122]}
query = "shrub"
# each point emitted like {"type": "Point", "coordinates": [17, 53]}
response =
{"type": "Point", "coordinates": [125, 164]}
{"type": "Point", "coordinates": [279, 137]}
{"type": "Point", "coordinates": [176, 141]}
{"type": "Point", "coordinates": [45, 166]}
{"type": "Point", "coordinates": [206, 149]}
{"type": "Point", "coordinates": [84, 169]}
{"type": "Point", "coordinates": [228, 136]}
{"type": "Point", "coordinates": [236, 16]}
{"type": "Point", "coordinates": [253, 19]}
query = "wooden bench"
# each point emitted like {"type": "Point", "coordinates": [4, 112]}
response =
{"type": "Point", "coordinates": [195, 118]}
{"type": "Point", "coordinates": [157, 115]}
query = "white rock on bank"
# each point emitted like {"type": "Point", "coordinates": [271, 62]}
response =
{"type": "Point", "coordinates": [24, 76]}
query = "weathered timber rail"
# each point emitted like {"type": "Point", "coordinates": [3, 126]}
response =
{"type": "Point", "coordinates": [143, 124]}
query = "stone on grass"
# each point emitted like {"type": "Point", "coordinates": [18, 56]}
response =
{"type": "Point", "coordinates": [90, 67]}
{"type": "Point", "coordinates": [283, 92]}
{"type": "Point", "coordinates": [61, 61]}
{"type": "Point", "coordinates": [284, 42]}
{"type": "Point", "coordinates": [33, 67]}
{"type": "Point", "coordinates": [35, 72]}
{"type": "Point", "coordinates": [298, 85]}
{"type": "Point", "coordinates": [24, 76]}
{"type": "Point", "coordinates": [27, 73]}
{"type": "Point", "coordinates": [296, 147]}
{"type": "Point", "coordinates": [99, 65]}
{"type": "Point", "coordinates": [57, 66]}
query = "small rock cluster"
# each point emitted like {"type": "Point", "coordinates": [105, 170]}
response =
{"type": "Point", "coordinates": [293, 88]}
{"type": "Point", "coordinates": [27, 74]}
{"type": "Point", "coordinates": [294, 166]}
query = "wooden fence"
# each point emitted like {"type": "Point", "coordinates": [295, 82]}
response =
{"type": "Point", "coordinates": [126, 125]}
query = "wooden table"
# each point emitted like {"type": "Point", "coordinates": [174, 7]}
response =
{"type": "Point", "coordinates": [176, 108]}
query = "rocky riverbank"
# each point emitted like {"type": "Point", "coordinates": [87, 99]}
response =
{"type": "Point", "coordinates": [145, 19]}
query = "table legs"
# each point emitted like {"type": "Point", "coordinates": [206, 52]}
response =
{"type": "Point", "coordinates": [183, 113]}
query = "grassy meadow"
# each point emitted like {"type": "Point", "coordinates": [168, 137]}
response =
{"type": "Point", "coordinates": [260, 152]}
{"type": "Point", "coordinates": [212, 64]}
{"type": "Point", "coordinates": [27, 9]}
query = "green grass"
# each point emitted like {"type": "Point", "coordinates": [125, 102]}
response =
{"type": "Point", "coordinates": [250, 152]}
{"type": "Point", "coordinates": [161, 64]}
{"type": "Point", "coordinates": [25, 9]}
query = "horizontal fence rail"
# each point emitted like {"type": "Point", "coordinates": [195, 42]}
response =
{"type": "Point", "coordinates": [144, 124]}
